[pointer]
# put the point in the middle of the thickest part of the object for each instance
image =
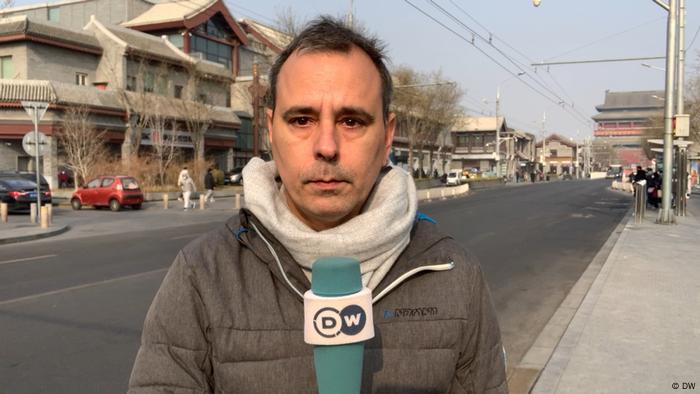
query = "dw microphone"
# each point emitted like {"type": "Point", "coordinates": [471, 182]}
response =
{"type": "Point", "coordinates": [337, 321]}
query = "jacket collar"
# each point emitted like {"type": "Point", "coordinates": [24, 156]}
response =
{"type": "Point", "coordinates": [424, 236]}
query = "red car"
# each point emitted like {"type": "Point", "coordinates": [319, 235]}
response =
{"type": "Point", "coordinates": [109, 191]}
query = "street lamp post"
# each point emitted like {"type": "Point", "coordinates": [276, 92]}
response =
{"type": "Point", "coordinates": [666, 214]}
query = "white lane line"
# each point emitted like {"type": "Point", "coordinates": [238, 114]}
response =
{"type": "Point", "coordinates": [184, 236]}
{"type": "Point", "coordinates": [46, 256]}
{"type": "Point", "coordinates": [79, 287]}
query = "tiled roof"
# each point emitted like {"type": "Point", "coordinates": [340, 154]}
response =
{"type": "Point", "coordinates": [170, 11]}
{"type": "Point", "coordinates": [484, 123]}
{"type": "Point", "coordinates": [632, 100]}
{"type": "Point", "coordinates": [21, 90]}
{"type": "Point", "coordinates": [276, 37]}
{"type": "Point", "coordinates": [24, 25]}
{"type": "Point", "coordinates": [627, 115]}
{"type": "Point", "coordinates": [69, 94]}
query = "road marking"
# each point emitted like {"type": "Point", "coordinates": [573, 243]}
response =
{"type": "Point", "coordinates": [80, 287]}
{"type": "Point", "coordinates": [46, 256]}
{"type": "Point", "coordinates": [184, 236]}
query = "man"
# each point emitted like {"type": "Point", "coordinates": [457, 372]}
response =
{"type": "Point", "coordinates": [209, 185]}
{"type": "Point", "coordinates": [229, 314]}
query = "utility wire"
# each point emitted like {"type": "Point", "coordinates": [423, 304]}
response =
{"type": "Point", "coordinates": [577, 116]}
{"type": "Point", "coordinates": [524, 56]}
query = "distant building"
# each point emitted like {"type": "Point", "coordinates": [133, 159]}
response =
{"type": "Point", "coordinates": [104, 54]}
{"type": "Point", "coordinates": [474, 140]}
{"type": "Point", "coordinates": [621, 124]}
{"type": "Point", "coordinates": [559, 155]}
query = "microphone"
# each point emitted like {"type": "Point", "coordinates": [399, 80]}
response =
{"type": "Point", "coordinates": [337, 321]}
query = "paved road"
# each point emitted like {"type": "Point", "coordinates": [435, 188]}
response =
{"type": "Point", "coordinates": [534, 242]}
{"type": "Point", "coordinates": [70, 318]}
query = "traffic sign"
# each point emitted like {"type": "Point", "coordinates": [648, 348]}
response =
{"type": "Point", "coordinates": [29, 142]}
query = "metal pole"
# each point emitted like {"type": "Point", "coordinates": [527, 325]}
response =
{"type": "Point", "coordinates": [498, 136]}
{"type": "Point", "coordinates": [682, 156]}
{"type": "Point", "coordinates": [666, 214]}
{"type": "Point", "coordinates": [36, 152]}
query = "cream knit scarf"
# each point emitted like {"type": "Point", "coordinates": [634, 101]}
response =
{"type": "Point", "coordinates": [376, 237]}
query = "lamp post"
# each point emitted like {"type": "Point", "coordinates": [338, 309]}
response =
{"type": "Point", "coordinates": [666, 214]}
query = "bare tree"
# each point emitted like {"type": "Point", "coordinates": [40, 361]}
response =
{"type": "Point", "coordinates": [163, 137]}
{"type": "Point", "coordinates": [6, 4]}
{"type": "Point", "coordinates": [133, 99]}
{"type": "Point", "coordinates": [83, 145]}
{"type": "Point", "coordinates": [426, 106]}
{"type": "Point", "coordinates": [195, 114]}
{"type": "Point", "coordinates": [288, 22]}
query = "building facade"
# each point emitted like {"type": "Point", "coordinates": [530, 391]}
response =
{"type": "Point", "coordinates": [560, 156]}
{"type": "Point", "coordinates": [120, 59]}
{"type": "Point", "coordinates": [621, 124]}
{"type": "Point", "coordinates": [474, 140]}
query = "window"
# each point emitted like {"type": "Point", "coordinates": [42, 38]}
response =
{"type": "Point", "coordinates": [553, 153]}
{"type": "Point", "coordinates": [54, 14]}
{"type": "Point", "coordinates": [148, 82]}
{"type": "Point", "coordinates": [203, 98]}
{"type": "Point", "coordinates": [107, 182]}
{"type": "Point", "coordinates": [178, 91]}
{"type": "Point", "coordinates": [131, 83]}
{"type": "Point", "coordinates": [81, 79]}
{"type": "Point", "coordinates": [212, 50]}
{"type": "Point", "coordinates": [6, 69]}
{"type": "Point", "coordinates": [177, 40]}
{"type": "Point", "coordinates": [94, 183]}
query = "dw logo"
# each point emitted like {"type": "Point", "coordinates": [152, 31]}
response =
{"type": "Point", "coordinates": [328, 322]}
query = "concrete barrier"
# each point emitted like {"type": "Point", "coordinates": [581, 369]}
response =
{"type": "Point", "coordinates": [598, 175]}
{"type": "Point", "coordinates": [427, 194]}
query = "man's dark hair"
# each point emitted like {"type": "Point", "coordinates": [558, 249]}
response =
{"type": "Point", "coordinates": [327, 34]}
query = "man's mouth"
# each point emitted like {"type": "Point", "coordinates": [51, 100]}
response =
{"type": "Point", "coordinates": [327, 184]}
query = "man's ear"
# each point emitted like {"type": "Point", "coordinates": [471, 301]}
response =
{"type": "Point", "coordinates": [269, 114]}
{"type": "Point", "coordinates": [389, 128]}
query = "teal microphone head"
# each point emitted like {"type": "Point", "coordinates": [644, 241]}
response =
{"type": "Point", "coordinates": [335, 276]}
{"type": "Point", "coordinates": [337, 322]}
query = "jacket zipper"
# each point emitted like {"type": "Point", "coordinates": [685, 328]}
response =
{"type": "Point", "coordinates": [387, 290]}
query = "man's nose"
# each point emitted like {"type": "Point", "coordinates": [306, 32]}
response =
{"type": "Point", "coordinates": [326, 143]}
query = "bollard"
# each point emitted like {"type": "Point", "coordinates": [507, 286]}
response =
{"type": "Point", "coordinates": [32, 212]}
{"type": "Point", "coordinates": [49, 209]}
{"type": "Point", "coordinates": [238, 201]}
{"type": "Point", "coordinates": [442, 194]}
{"type": "Point", "coordinates": [165, 200]}
{"type": "Point", "coordinates": [202, 202]}
{"type": "Point", "coordinates": [639, 202]}
{"type": "Point", "coordinates": [44, 217]}
{"type": "Point", "coordinates": [427, 196]}
{"type": "Point", "coordinates": [3, 212]}
{"type": "Point", "coordinates": [453, 192]}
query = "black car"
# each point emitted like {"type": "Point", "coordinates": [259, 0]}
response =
{"type": "Point", "coordinates": [18, 190]}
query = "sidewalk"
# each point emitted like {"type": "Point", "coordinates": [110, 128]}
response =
{"type": "Point", "coordinates": [637, 329]}
{"type": "Point", "coordinates": [89, 222]}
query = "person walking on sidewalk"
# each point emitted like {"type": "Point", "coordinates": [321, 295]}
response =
{"type": "Point", "coordinates": [229, 315]}
{"type": "Point", "coordinates": [188, 188]}
{"type": "Point", "coordinates": [181, 179]}
{"type": "Point", "coordinates": [209, 186]}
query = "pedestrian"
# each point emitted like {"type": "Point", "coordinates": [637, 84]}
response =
{"type": "Point", "coordinates": [640, 175]}
{"type": "Point", "coordinates": [184, 174]}
{"type": "Point", "coordinates": [209, 186]}
{"type": "Point", "coordinates": [229, 314]}
{"type": "Point", "coordinates": [188, 187]}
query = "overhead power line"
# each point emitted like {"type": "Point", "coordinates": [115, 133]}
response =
{"type": "Point", "coordinates": [556, 100]}
{"type": "Point", "coordinates": [626, 59]}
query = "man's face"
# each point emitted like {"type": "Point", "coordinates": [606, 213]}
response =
{"type": "Point", "coordinates": [328, 134]}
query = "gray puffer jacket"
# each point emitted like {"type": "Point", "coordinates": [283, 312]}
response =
{"type": "Point", "coordinates": [226, 321]}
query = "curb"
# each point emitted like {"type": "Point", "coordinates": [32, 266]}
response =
{"type": "Point", "coordinates": [30, 237]}
{"type": "Point", "coordinates": [527, 373]}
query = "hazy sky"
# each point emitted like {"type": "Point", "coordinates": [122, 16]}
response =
{"type": "Point", "coordinates": [557, 30]}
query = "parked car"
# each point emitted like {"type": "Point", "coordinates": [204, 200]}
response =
{"type": "Point", "coordinates": [235, 177]}
{"type": "Point", "coordinates": [110, 191]}
{"type": "Point", "coordinates": [18, 190]}
{"type": "Point", "coordinates": [455, 178]}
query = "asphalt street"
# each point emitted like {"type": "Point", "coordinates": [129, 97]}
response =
{"type": "Point", "coordinates": [534, 242]}
{"type": "Point", "coordinates": [71, 308]}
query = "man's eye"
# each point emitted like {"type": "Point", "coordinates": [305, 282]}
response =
{"type": "Point", "coordinates": [352, 123]}
{"type": "Point", "coordinates": [300, 121]}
